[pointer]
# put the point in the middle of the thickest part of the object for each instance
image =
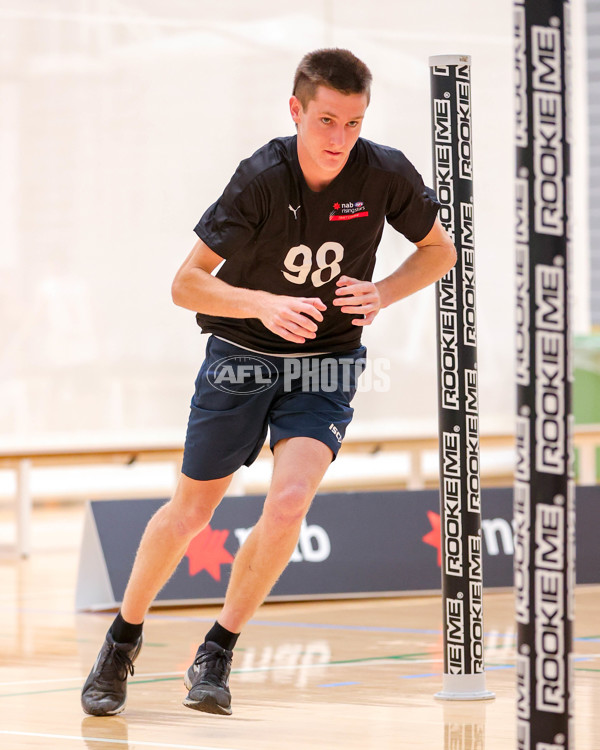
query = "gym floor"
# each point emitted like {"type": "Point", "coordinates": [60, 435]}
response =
{"type": "Point", "coordinates": [351, 674]}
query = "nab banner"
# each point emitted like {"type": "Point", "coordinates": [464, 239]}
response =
{"type": "Point", "coordinates": [352, 544]}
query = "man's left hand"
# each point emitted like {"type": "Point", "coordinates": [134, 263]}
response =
{"type": "Point", "coordinates": [356, 297]}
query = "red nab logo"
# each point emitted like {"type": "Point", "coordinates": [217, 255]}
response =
{"type": "Point", "coordinates": [207, 552]}
{"type": "Point", "coordinates": [346, 211]}
{"type": "Point", "coordinates": [434, 537]}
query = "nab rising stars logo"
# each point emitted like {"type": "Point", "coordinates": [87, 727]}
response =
{"type": "Point", "coordinates": [346, 211]}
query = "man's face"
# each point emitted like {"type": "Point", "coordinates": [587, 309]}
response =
{"type": "Point", "coordinates": [327, 130]}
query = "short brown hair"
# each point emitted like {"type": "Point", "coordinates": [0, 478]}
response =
{"type": "Point", "coordinates": [335, 68]}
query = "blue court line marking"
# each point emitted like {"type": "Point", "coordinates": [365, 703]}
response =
{"type": "Point", "coordinates": [337, 684]}
{"type": "Point", "coordinates": [358, 628]}
{"type": "Point", "coordinates": [260, 623]}
{"type": "Point", "coordinates": [355, 628]}
{"type": "Point", "coordinates": [492, 668]}
{"type": "Point", "coordinates": [310, 625]}
{"type": "Point", "coordinates": [282, 624]}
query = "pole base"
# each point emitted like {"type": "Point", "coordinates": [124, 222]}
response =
{"type": "Point", "coordinates": [464, 687]}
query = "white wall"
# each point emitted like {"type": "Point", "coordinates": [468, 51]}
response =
{"type": "Point", "coordinates": [121, 122]}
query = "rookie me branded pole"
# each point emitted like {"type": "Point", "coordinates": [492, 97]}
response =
{"type": "Point", "coordinates": [460, 496]}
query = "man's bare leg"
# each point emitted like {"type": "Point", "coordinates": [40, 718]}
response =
{"type": "Point", "coordinates": [165, 540]}
{"type": "Point", "coordinates": [299, 466]}
{"type": "Point", "coordinates": [162, 546]}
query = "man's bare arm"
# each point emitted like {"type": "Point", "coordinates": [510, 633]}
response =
{"type": "Point", "coordinates": [434, 257]}
{"type": "Point", "coordinates": [195, 288]}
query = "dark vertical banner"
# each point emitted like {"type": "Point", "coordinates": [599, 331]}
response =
{"type": "Point", "coordinates": [544, 491]}
{"type": "Point", "coordinates": [460, 497]}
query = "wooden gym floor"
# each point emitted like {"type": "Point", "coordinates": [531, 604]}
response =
{"type": "Point", "coordinates": [335, 674]}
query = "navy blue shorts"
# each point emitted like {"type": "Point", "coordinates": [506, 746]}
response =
{"type": "Point", "coordinates": [239, 395]}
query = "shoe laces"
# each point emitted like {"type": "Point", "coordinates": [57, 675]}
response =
{"type": "Point", "coordinates": [214, 665]}
{"type": "Point", "coordinates": [120, 662]}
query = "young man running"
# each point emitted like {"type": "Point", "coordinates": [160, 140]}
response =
{"type": "Point", "coordinates": [298, 226]}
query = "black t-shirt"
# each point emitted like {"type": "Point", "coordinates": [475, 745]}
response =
{"type": "Point", "coordinates": [278, 235]}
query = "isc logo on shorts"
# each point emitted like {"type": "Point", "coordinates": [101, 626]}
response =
{"type": "Point", "coordinates": [242, 374]}
{"type": "Point", "coordinates": [336, 432]}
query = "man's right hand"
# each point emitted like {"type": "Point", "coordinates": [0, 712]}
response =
{"type": "Point", "coordinates": [292, 318]}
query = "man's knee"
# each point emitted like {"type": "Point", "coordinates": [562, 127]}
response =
{"type": "Point", "coordinates": [184, 520]}
{"type": "Point", "coordinates": [289, 505]}
{"type": "Point", "coordinates": [190, 509]}
{"type": "Point", "coordinates": [192, 505]}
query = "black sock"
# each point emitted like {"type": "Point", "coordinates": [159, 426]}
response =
{"type": "Point", "coordinates": [124, 632]}
{"type": "Point", "coordinates": [222, 637]}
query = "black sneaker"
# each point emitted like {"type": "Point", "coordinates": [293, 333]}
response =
{"type": "Point", "coordinates": [105, 690]}
{"type": "Point", "coordinates": [208, 680]}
